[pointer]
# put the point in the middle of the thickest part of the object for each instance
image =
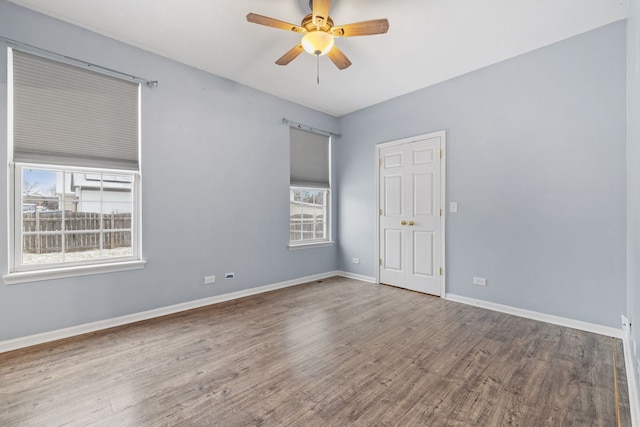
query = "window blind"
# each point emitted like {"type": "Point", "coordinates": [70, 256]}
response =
{"type": "Point", "coordinates": [309, 159]}
{"type": "Point", "coordinates": [66, 115]}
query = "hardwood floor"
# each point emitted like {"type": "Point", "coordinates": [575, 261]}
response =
{"type": "Point", "coordinates": [332, 353]}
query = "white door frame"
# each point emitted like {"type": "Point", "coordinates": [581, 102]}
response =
{"type": "Point", "coordinates": [442, 135]}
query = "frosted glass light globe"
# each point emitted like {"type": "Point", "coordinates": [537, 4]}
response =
{"type": "Point", "coordinates": [317, 42]}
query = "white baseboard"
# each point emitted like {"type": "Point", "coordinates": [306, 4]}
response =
{"type": "Point", "coordinates": [17, 343]}
{"type": "Point", "coordinates": [632, 384]}
{"type": "Point", "coordinates": [356, 276]}
{"type": "Point", "coordinates": [534, 315]}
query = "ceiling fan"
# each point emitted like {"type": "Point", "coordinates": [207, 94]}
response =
{"type": "Point", "coordinates": [319, 33]}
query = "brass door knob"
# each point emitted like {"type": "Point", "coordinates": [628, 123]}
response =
{"type": "Point", "coordinates": [411, 223]}
{"type": "Point", "coordinates": [403, 222]}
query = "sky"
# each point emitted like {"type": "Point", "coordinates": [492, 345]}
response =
{"type": "Point", "coordinates": [43, 178]}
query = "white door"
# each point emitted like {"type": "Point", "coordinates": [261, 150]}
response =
{"type": "Point", "coordinates": [409, 201]}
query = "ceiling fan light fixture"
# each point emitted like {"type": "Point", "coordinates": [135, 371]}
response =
{"type": "Point", "coordinates": [317, 42]}
{"type": "Point", "coordinates": [318, 31]}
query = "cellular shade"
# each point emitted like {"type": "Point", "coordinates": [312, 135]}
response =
{"type": "Point", "coordinates": [309, 156]}
{"type": "Point", "coordinates": [66, 115]}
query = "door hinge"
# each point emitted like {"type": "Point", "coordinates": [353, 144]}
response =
{"type": "Point", "coordinates": [441, 271]}
{"type": "Point", "coordinates": [380, 261]}
{"type": "Point", "coordinates": [440, 153]}
{"type": "Point", "coordinates": [379, 162]}
{"type": "Point", "coordinates": [379, 211]}
{"type": "Point", "coordinates": [440, 211]}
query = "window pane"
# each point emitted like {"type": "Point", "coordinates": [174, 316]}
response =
{"type": "Point", "coordinates": [121, 241]}
{"type": "Point", "coordinates": [307, 214]}
{"type": "Point", "coordinates": [39, 190]}
{"type": "Point", "coordinates": [41, 249]}
{"type": "Point", "coordinates": [317, 213]}
{"type": "Point", "coordinates": [74, 221]}
{"type": "Point", "coordinates": [310, 196]}
{"type": "Point", "coordinates": [41, 243]}
{"type": "Point", "coordinates": [117, 243]}
{"type": "Point", "coordinates": [117, 221]}
{"type": "Point", "coordinates": [92, 219]}
{"type": "Point", "coordinates": [41, 219]}
{"type": "Point", "coordinates": [117, 194]}
{"type": "Point", "coordinates": [78, 242]}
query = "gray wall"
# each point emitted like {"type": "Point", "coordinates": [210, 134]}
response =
{"type": "Point", "coordinates": [536, 161]}
{"type": "Point", "coordinates": [215, 171]}
{"type": "Point", "coordinates": [633, 173]}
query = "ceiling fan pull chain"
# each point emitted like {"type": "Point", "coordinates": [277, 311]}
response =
{"type": "Point", "coordinates": [318, 68]}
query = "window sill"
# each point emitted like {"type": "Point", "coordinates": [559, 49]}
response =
{"type": "Point", "coordinates": [297, 247]}
{"type": "Point", "coordinates": [60, 273]}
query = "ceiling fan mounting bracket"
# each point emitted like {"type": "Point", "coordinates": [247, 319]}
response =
{"type": "Point", "coordinates": [309, 25]}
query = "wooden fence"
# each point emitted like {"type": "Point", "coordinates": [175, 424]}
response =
{"type": "Point", "coordinates": [43, 231]}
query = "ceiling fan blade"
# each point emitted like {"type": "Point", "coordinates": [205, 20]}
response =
{"type": "Point", "coordinates": [364, 28]}
{"type": "Point", "coordinates": [290, 56]}
{"type": "Point", "coordinates": [338, 58]}
{"type": "Point", "coordinates": [270, 22]}
{"type": "Point", "coordinates": [321, 10]}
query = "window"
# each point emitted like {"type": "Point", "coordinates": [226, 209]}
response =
{"type": "Point", "coordinates": [74, 150]}
{"type": "Point", "coordinates": [74, 216]}
{"type": "Point", "coordinates": [308, 215]}
{"type": "Point", "coordinates": [310, 190]}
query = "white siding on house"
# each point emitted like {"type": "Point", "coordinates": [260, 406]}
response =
{"type": "Point", "coordinates": [112, 202]}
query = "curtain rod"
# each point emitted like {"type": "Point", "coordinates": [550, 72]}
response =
{"type": "Point", "coordinates": [69, 59]}
{"type": "Point", "coordinates": [309, 128]}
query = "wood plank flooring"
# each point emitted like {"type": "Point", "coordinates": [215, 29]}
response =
{"type": "Point", "coordinates": [332, 353]}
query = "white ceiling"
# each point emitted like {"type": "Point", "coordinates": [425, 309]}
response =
{"type": "Point", "coordinates": [429, 41]}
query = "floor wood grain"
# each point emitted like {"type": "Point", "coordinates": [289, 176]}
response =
{"type": "Point", "coordinates": [332, 353]}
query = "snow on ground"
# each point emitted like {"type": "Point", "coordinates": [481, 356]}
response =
{"type": "Point", "coordinates": [56, 257]}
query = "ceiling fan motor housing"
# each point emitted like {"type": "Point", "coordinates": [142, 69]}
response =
{"type": "Point", "coordinates": [307, 22]}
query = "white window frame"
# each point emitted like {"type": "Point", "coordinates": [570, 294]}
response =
{"type": "Point", "coordinates": [19, 273]}
{"type": "Point", "coordinates": [313, 243]}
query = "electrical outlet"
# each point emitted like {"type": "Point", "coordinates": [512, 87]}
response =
{"type": "Point", "coordinates": [209, 279]}
{"type": "Point", "coordinates": [229, 275]}
{"type": "Point", "coordinates": [355, 260]}
{"type": "Point", "coordinates": [626, 325]}
{"type": "Point", "coordinates": [453, 207]}
{"type": "Point", "coordinates": [480, 281]}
